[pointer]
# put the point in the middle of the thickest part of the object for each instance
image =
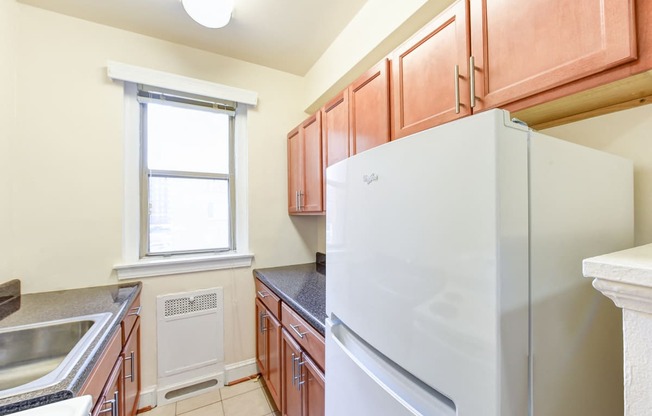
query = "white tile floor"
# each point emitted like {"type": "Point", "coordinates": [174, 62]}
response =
{"type": "Point", "coordinates": [243, 399]}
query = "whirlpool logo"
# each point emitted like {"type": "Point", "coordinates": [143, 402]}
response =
{"type": "Point", "coordinates": [372, 177]}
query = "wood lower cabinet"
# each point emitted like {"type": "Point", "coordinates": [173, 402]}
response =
{"type": "Point", "coordinates": [114, 382]}
{"type": "Point", "coordinates": [268, 350]}
{"type": "Point", "coordinates": [522, 48]}
{"type": "Point", "coordinates": [290, 355]}
{"type": "Point", "coordinates": [313, 388]}
{"type": "Point", "coordinates": [430, 74]}
{"type": "Point", "coordinates": [131, 369]}
{"type": "Point", "coordinates": [305, 168]}
{"type": "Point", "coordinates": [111, 401]}
{"type": "Point", "coordinates": [291, 387]}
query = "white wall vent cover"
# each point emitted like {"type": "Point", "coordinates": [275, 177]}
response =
{"type": "Point", "coordinates": [190, 338]}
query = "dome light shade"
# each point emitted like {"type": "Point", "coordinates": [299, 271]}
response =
{"type": "Point", "coordinates": [210, 13]}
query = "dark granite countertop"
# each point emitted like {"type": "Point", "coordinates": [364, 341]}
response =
{"type": "Point", "coordinates": [302, 287]}
{"type": "Point", "coordinates": [51, 306]}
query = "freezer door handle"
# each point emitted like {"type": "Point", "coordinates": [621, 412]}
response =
{"type": "Point", "coordinates": [413, 394]}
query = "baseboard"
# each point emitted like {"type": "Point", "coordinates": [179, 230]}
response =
{"type": "Point", "coordinates": [240, 370]}
{"type": "Point", "coordinates": [232, 373]}
{"type": "Point", "coordinates": [147, 398]}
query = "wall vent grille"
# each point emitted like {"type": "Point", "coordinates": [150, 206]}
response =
{"type": "Point", "coordinates": [188, 304]}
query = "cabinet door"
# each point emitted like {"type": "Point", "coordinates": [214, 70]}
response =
{"type": "Point", "coordinates": [335, 128]}
{"type": "Point", "coordinates": [312, 388]}
{"type": "Point", "coordinates": [311, 197]}
{"type": "Point", "coordinates": [369, 109]}
{"type": "Point", "coordinates": [273, 376]}
{"type": "Point", "coordinates": [111, 401]}
{"type": "Point", "coordinates": [295, 169]}
{"type": "Point", "coordinates": [261, 338]}
{"type": "Point", "coordinates": [131, 370]}
{"type": "Point", "coordinates": [291, 395]}
{"type": "Point", "coordinates": [430, 74]}
{"type": "Point", "coordinates": [524, 47]}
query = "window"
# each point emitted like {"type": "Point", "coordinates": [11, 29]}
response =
{"type": "Point", "coordinates": [187, 173]}
{"type": "Point", "coordinates": [186, 154]}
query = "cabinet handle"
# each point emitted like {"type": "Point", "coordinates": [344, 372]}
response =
{"type": "Point", "coordinates": [296, 331]}
{"type": "Point", "coordinates": [136, 311]}
{"type": "Point", "coordinates": [472, 80]}
{"type": "Point", "coordinates": [301, 380]}
{"type": "Point", "coordinates": [130, 377]}
{"type": "Point", "coordinates": [261, 320]}
{"type": "Point", "coordinates": [300, 200]}
{"type": "Point", "coordinates": [296, 200]}
{"type": "Point", "coordinates": [295, 366]}
{"type": "Point", "coordinates": [113, 409]}
{"type": "Point", "coordinates": [457, 89]}
{"type": "Point", "coordinates": [262, 294]}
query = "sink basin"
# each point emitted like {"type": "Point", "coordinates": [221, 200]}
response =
{"type": "Point", "coordinates": [39, 355]}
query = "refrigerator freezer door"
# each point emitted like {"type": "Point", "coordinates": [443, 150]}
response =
{"type": "Point", "coordinates": [369, 384]}
{"type": "Point", "coordinates": [427, 243]}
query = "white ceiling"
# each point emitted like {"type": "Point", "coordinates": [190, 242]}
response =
{"type": "Point", "coordinates": [288, 35]}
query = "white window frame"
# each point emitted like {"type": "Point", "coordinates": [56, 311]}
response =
{"type": "Point", "coordinates": [132, 265]}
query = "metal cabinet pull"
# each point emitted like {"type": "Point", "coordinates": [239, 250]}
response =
{"type": "Point", "coordinates": [301, 380]}
{"type": "Point", "coordinates": [136, 311]}
{"type": "Point", "coordinates": [472, 80]}
{"type": "Point", "coordinates": [261, 320]}
{"type": "Point", "coordinates": [113, 402]}
{"type": "Point", "coordinates": [296, 331]}
{"type": "Point", "coordinates": [130, 377]}
{"type": "Point", "coordinates": [457, 89]}
{"type": "Point", "coordinates": [300, 200]}
{"type": "Point", "coordinates": [296, 200]}
{"type": "Point", "coordinates": [262, 294]}
{"type": "Point", "coordinates": [295, 370]}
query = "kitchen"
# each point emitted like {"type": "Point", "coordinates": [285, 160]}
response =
{"type": "Point", "coordinates": [62, 116]}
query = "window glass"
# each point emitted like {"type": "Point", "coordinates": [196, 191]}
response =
{"type": "Point", "coordinates": [188, 214]}
{"type": "Point", "coordinates": [187, 200]}
{"type": "Point", "coordinates": [184, 139]}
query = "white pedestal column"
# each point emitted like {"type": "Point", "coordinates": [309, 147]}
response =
{"type": "Point", "coordinates": [626, 278]}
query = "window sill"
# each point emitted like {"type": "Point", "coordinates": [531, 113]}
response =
{"type": "Point", "coordinates": [179, 265]}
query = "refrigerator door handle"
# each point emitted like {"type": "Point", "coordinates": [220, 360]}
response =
{"type": "Point", "coordinates": [413, 394]}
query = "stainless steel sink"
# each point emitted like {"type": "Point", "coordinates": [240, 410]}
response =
{"type": "Point", "coordinates": [38, 355]}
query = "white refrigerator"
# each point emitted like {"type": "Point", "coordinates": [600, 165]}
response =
{"type": "Point", "coordinates": [454, 282]}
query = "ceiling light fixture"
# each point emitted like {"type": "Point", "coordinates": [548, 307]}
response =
{"type": "Point", "coordinates": [210, 13]}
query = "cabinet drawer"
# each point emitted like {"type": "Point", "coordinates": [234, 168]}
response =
{"type": "Point", "coordinates": [96, 381]}
{"type": "Point", "coordinates": [269, 299]}
{"type": "Point", "coordinates": [309, 339]}
{"type": "Point", "coordinates": [129, 320]}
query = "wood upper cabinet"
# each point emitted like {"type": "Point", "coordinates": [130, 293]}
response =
{"type": "Point", "coordinates": [335, 128]}
{"type": "Point", "coordinates": [305, 168]}
{"type": "Point", "coordinates": [521, 48]}
{"type": "Point", "coordinates": [290, 387]}
{"type": "Point", "coordinates": [430, 74]}
{"type": "Point", "coordinates": [295, 169]}
{"type": "Point", "coordinates": [369, 109]}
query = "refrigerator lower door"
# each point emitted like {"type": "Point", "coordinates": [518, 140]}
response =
{"type": "Point", "coordinates": [361, 382]}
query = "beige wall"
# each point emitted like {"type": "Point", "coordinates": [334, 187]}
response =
{"type": "Point", "coordinates": [377, 29]}
{"type": "Point", "coordinates": [7, 123]}
{"type": "Point", "coordinates": [629, 134]}
{"type": "Point", "coordinates": [65, 161]}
